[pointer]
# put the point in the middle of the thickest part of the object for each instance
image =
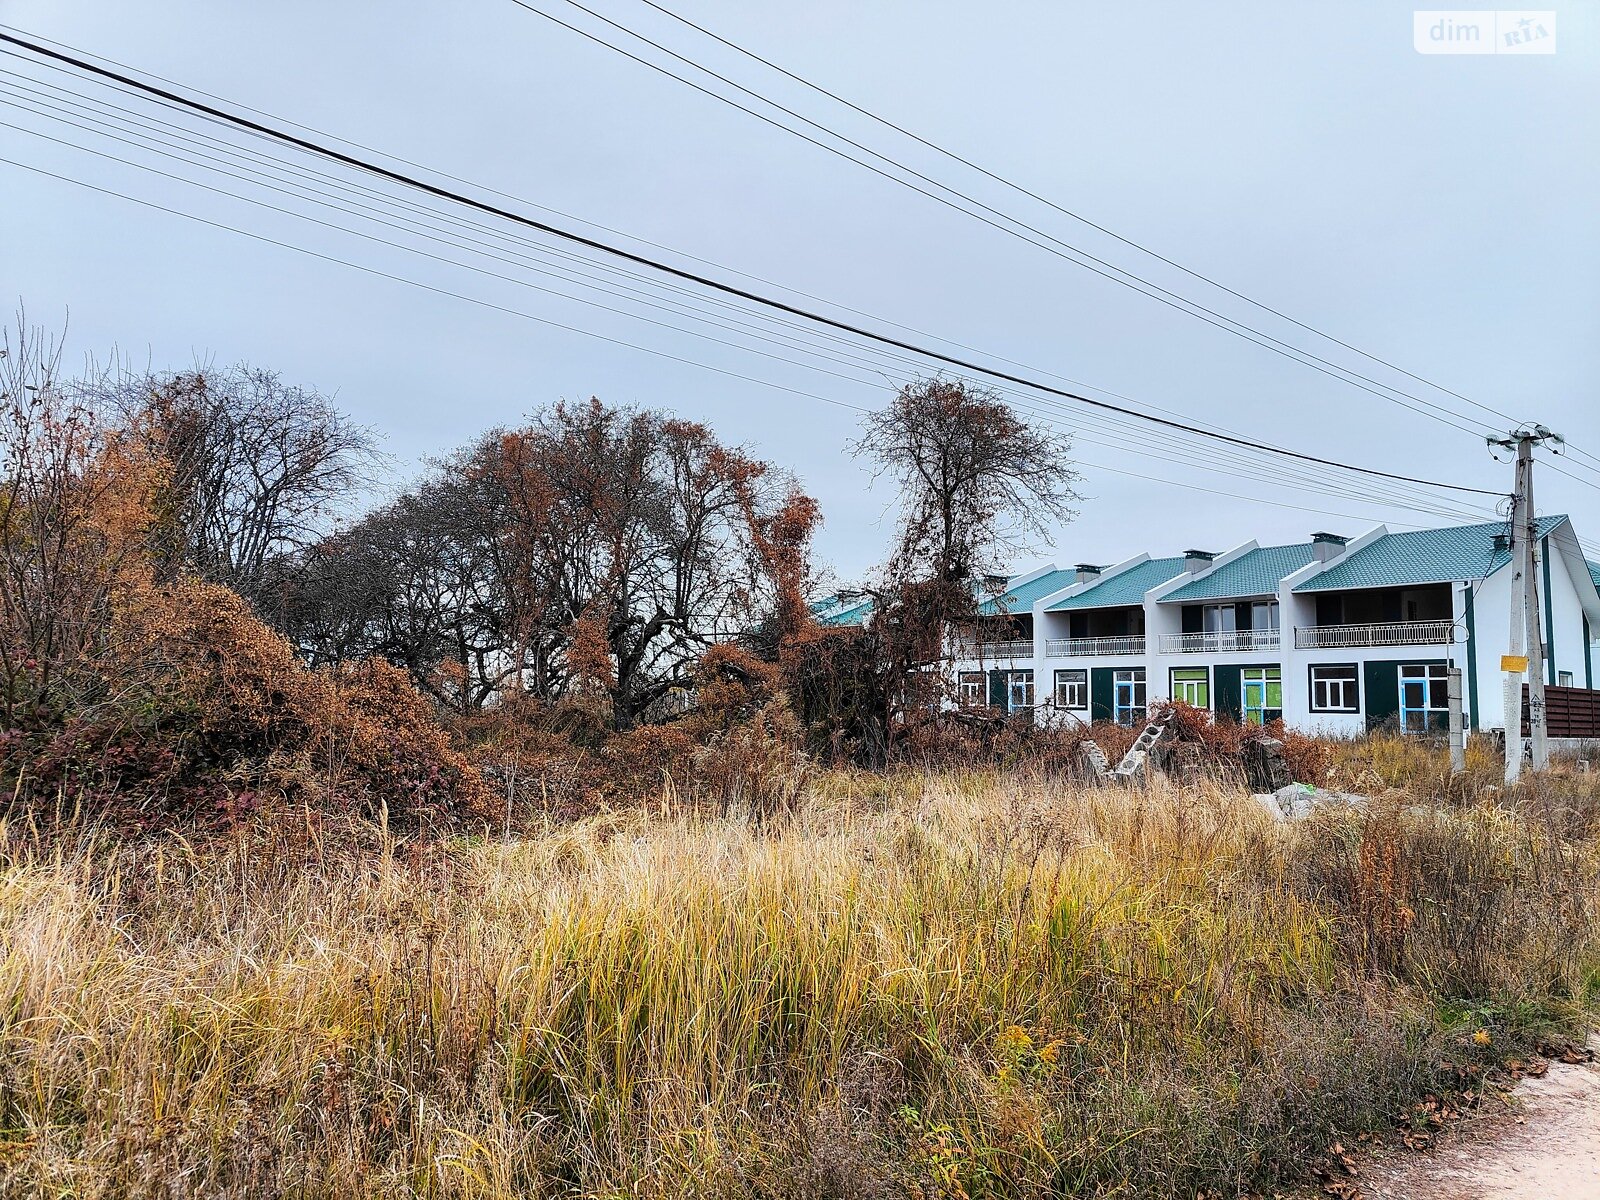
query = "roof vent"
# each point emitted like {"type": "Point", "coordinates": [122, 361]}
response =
{"type": "Point", "coordinates": [1502, 542]}
{"type": "Point", "coordinates": [995, 585]}
{"type": "Point", "coordinates": [1197, 560]}
{"type": "Point", "coordinates": [1088, 571]}
{"type": "Point", "coordinates": [1325, 547]}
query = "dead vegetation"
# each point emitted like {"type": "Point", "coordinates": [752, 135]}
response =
{"type": "Point", "coordinates": [971, 983]}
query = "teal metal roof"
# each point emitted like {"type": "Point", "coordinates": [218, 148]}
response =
{"type": "Point", "coordinates": [1456, 554]}
{"type": "Point", "coordinates": [1019, 598]}
{"type": "Point", "coordinates": [1594, 572]}
{"type": "Point", "coordinates": [1127, 587]}
{"type": "Point", "coordinates": [1255, 573]}
{"type": "Point", "coordinates": [842, 610]}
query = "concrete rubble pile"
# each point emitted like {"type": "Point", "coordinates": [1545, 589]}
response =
{"type": "Point", "coordinates": [1266, 772]}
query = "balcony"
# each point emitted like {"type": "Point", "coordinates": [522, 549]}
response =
{"type": "Point", "coordinates": [990, 651]}
{"type": "Point", "coordinates": [1227, 642]}
{"type": "Point", "coordinates": [1383, 633]}
{"type": "Point", "coordinates": [1093, 647]}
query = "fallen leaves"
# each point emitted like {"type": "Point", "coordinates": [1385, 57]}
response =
{"type": "Point", "coordinates": [1567, 1052]}
{"type": "Point", "coordinates": [1336, 1171]}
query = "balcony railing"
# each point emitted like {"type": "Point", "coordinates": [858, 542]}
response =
{"type": "Point", "coordinates": [1020, 648]}
{"type": "Point", "coordinates": [1383, 633]}
{"type": "Point", "coordinates": [1222, 642]}
{"type": "Point", "coordinates": [1093, 647]}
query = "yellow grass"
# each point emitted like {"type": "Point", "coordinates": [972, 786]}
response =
{"type": "Point", "coordinates": [952, 985]}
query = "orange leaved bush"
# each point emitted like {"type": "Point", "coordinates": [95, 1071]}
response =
{"type": "Point", "coordinates": [205, 712]}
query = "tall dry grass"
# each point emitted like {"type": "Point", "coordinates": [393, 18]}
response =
{"type": "Point", "coordinates": [951, 985]}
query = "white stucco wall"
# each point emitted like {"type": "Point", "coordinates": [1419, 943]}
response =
{"type": "Point", "coordinates": [1491, 617]}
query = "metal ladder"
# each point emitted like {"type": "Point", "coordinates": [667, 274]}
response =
{"type": "Point", "coordinates": [1133, 762]}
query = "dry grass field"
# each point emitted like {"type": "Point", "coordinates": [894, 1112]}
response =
{"type": "Point", "coordinates": [941, 984]}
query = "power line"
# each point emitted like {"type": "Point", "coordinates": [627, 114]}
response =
{"type": "Point", "coordinates": [999, 179]}
{"type": "Point", "coordinates": [427, 287]}
{"type": "Point", "coordinates": [192, 137]}
{"type": "Point", "coordinates": [504, 309]}
{"type": "Point", "coordinates": [1221, 456]}
{"type": "Point", "coordinates": [1573, 449]}
{"type": "Point", "coordinates": [1032, 195]}
{"type": "Point", "coordinates": [921, 333]}
{"type": "Point", "coordinates": [1059, 248]}
{"type": "Point", "coordinates": [1076, 216]}
{"type": "Point", "coordinates": [693, 277]}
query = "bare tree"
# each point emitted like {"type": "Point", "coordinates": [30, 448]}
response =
{"type": "Point", "coordinates": [256, 468]}
{"type": "Point", "coordinates": [978, 483]}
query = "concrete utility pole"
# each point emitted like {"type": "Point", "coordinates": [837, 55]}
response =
{"type": "Point", "coordinates": [1526, 657]}
{"type": "Point", "coordinates": [1458, 742]}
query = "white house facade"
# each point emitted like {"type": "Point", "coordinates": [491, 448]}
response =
{"type": "Point", "coordinates": [1335, 635]}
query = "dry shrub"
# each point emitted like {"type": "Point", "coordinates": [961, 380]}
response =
{"type": "Point", "coordinates": [759, 764]}
{"type": "Point", "coordinates": [1309, 759]}
{"type": "Point", "coordinates": [1483, 904]}
{"type": "Point", "coordinates": [1223, 743]}
{"type": "Point", "coordinates": [737, 746]}
{"type": "Point", "coordinates": [203, 712]}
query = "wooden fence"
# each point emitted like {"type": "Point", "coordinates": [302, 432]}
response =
{"type": "Point", "coordinates": [1569, 712]}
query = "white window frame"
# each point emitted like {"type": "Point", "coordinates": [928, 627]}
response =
{"type": "Point", "coordinates": [1347, 687]}
{"type": "Point", "coordinates": [1434, 679]}
{"type": "Point", "coordinates": [972, 689]}
{"type": "Point", "coordinates": [1070, 681]}
{"type": "Point", "coordinates": [1565, 679]}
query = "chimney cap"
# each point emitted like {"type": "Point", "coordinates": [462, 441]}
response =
{"type": "Point", "coordinates": [1335, 538]}
{"type": "Point", "coordinates": [1088, 567]}
{"type": "Point", "coordinates": [1208, 555]}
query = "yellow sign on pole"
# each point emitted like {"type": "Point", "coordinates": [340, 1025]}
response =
{"type": "Point", "coordinates": [1515, 663]}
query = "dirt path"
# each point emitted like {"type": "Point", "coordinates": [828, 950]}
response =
{"type": "Point", "coordinates": [1544, 1146]}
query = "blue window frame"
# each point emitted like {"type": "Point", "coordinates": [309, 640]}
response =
{"type": "Point", "coordinates": [1424, 697]}
{"type": "Point", "coordinates": [1128, 699]}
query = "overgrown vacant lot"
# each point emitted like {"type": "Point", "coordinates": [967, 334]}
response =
{"type": "Point", "coordinates": [927, 985]}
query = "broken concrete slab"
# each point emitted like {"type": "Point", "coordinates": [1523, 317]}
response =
{"type": "Point", "coordinates": [1265, 766]}
{"type": "Point", "coordinates": [1297, 801]}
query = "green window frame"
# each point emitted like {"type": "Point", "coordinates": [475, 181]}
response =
{"type": "Point", "coordinates": [1192, 685]}
{"type": "Point", "coordinates": [1262, 688]}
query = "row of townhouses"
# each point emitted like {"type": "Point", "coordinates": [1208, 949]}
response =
{"type": "Point", "coordinates": [1333, 634]}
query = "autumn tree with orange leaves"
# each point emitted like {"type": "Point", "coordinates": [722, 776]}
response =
{"type": "Point", "coordinates": [74, 512]}
{"type": "Point", "coordinates": [595, 548]}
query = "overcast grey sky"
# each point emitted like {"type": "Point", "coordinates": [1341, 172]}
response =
{"type": "Point", "coordinates": [1438, 211]}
